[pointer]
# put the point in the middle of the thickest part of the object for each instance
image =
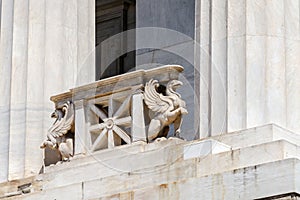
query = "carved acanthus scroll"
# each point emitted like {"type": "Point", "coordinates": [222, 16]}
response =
{"type": "Point", "coordinates": [57, 134]}
{"type": "Point", "coordinates": [168, 108]}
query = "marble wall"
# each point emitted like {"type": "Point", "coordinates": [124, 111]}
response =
{"type": "Point", "coordinates": [46, 47]}
{"type": "Point", "coordinates": [248, 58]}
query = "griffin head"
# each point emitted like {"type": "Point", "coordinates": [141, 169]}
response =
{"type": "Point", "coordinates": [174, 84]}
{"type": "Point", "coordinates": [58, 114]}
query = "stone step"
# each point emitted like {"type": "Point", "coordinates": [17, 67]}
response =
{"type": "Point", "coordinates": [257, 135]}
{"type": "Point", "coordinates": [203, 148]}
{"type": "Point", "coordinates": [247, 156]}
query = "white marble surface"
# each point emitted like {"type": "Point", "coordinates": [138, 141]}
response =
{"type": "Point", "coordinates": [256, 56]}
{"type": "Point", "coordinates": [35, 106]}
{"type": "Point", "coordinates": [202, 66]}
{"type": "Point", "coordinates": [17, 133]}
{"type": "Point", "coordinates": [159, 171]}
{"type": "Point", "coordinates": [40, 49]}
{"type": "Point", "coordinates": [138, 128]}
{"type": "Point", "coordinates": [257, 135]}
{"type": "Point", "coordinates": [236, 83]}
{"type": "Point", "coordinates": [255, 76]}
{"type": "Point", "coordinates": [5, 71]}
{"type": "Point", "coordinates": [236, 62]}
{"type": "Point", "coordinates": [203, 148]}
{"type": "Point", "coordinates": [292, 59]}
{"type": "Point", "coordinates": [47, 49]}
{"type": "Point", "coordinates": [218, 92]}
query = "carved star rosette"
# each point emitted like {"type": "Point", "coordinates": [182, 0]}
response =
{"type": "Point", "coordinates": [113, 122]}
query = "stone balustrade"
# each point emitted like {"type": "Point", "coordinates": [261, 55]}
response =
{"type": "Point", "coordinates": [112, 112]}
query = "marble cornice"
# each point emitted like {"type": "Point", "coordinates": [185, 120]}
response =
{"type": "Point", "coordinates": [118, 83]}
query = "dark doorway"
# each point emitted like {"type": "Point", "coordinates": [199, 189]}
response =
{"type": "Point", "coordinates": [113, 17]}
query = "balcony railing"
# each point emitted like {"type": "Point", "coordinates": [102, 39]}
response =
{"type": "Point", "coordinates": [108, 112]}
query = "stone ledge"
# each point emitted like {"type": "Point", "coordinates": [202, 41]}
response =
{"type": "Point", "coordinates": [166, 153]}
{"type": "Point", "coordinates": [115, 153]}
{"type": "Point", "coordinates": [236, 140]}
{"type": "Point", "coordinates": [179, 171]}
{"type": "Point", "coordinates": [11, 187]}
{"type": "Point", "coordinates": [203, 148]}
{"type": "Point", "coordinates": [253, 182]}
{"type": "Point", "coordinates": [118, 83]}
{"type": "Point", "coordinates": [170, 157]}
{"type": "Point", "coordinates": [248, 156]}
{"type": "Point", "coordinates": [257, 135]}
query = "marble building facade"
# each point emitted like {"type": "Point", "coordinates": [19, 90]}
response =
{"type": "Point", "coordinates": [242, 65]}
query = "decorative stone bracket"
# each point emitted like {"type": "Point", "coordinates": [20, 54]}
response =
{"type": "Point", "coordinates": [112, 111]}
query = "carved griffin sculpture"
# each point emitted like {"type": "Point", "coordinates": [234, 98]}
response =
{"type": "Point", "coordinates": [168, 108]}
{"type": "Point", "coordinates": [57, 134]}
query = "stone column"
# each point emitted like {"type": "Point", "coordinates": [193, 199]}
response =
{"type": "Point", "coordinates": [218, 77]}
{"type": "Point", "coordinates": [35, 86]}
{"type": "Point", "coordinates": [236, 72]}
{"type": "Point", "coordinates": [202, 66]}
{"type": "Point", "coordinates": [266, 95]}
{"type": "Point", "coordinates": [292, 61]}
{"type": "Point", "coordinates": [5, 71]}
{"type": "Point", "coordinates": [256, 56]}
{"type": "Point", "coordinates": [18, 90]}
{"type": "Point", "coordinates": [211, 61]}
{"type": "Point", "coordinates": [41, 54]}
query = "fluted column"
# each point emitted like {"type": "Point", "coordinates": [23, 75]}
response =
{"type": "Point", "coordinates": [35, 86]}
{"type": "Point", "coordinates": [236, 61]}
{"type": "Point", "coordinates": [218, 78]}
{"type": "Point", "coordinates": [257, 62]}
{"type": "Point", "coordinates": [292, 61]}
{"type": "Point", "coordinates": [202, 65]}
{"type": "Point", "coordinates": [5, 71]}
{"type": "Point", "coordinates": [40, 46]}
{"type": "Point", "coordinates": [18, 90]}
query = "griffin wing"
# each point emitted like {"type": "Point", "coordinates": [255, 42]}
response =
{"type": "Point", "coordinates": [156, 101]}
{"type": "Point", "coordinates": [63, 125]}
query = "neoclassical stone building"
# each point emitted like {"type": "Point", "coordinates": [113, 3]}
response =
{"type": "Point", "coordinates": [241, 85]}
